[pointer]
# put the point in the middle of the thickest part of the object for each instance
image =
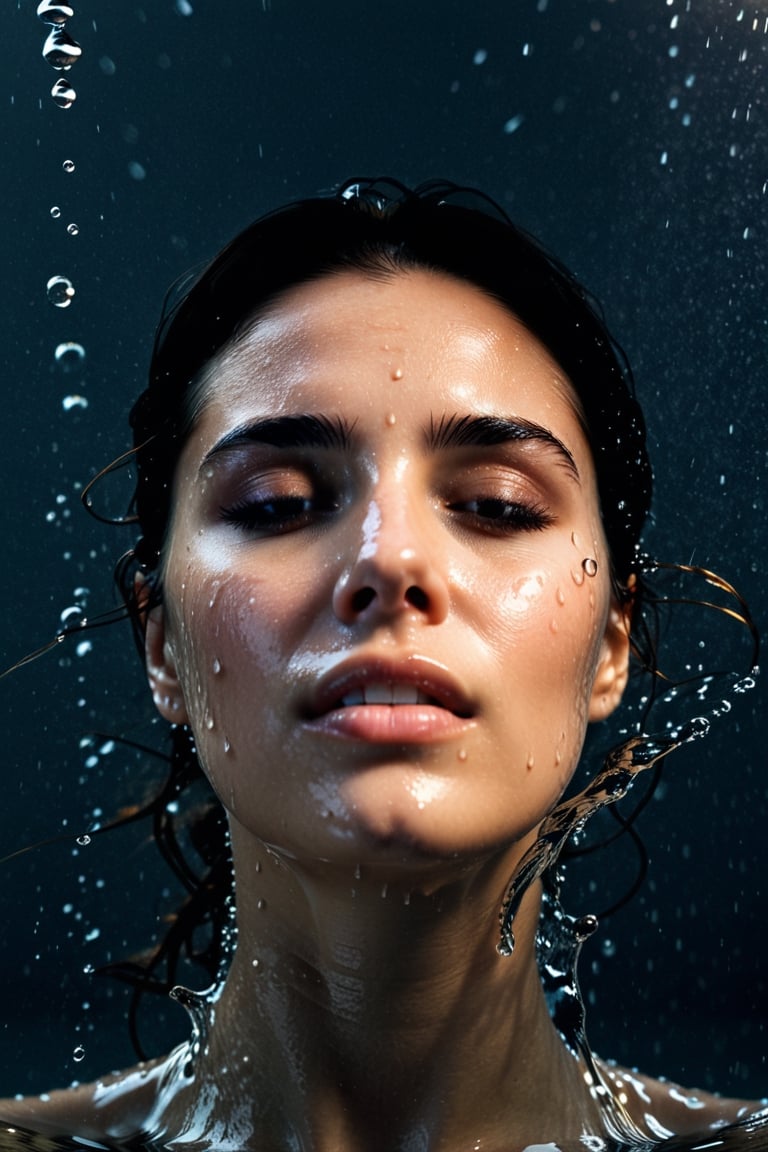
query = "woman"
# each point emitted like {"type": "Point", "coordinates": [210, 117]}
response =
{"type": "Point", "coordinates": [391, 480]}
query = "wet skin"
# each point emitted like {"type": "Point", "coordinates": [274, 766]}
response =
{"type": "Point", "coordinates": [399, 537]}
{"type": "Point", "coordinates": [378, 621]}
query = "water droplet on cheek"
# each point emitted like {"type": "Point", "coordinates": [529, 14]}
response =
{"type": "Point", "coordinates": [554, 627]}
{"type": "Point", "coordinates": [578, 577]}
{"type": "Point", "coordinates": [560, 595]}
{"type": "Point", "coordinates": [462, 755]}
{"type": "Point", "coordinates": [576, 540]}
{"type": "Point", "coordinates": [397, 373]}
{"type": "Point", "coordinates": [589, 565]}
{"type": "Point", "coordinates": [390, 420]}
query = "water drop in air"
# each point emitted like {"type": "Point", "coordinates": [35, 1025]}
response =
{"type": "Point", "coordinates": [60, 50]}
{"type": "Point", "coordinates": [68, 165]}
{"type": "Point", "coordinates": [69, 355]}
{"type": "Point", "coordinates": [63, 94]}
{"type": "Point", "coordinates": [55, 212]}
{"type": "Point", "coordinates": [78, 1054]}
{"type": "Point", "coordinates": [83, 840]}
{"type": "Point", "coordinates": [52, 13]}
{"type": "Point", "coordinates": [60, 291]}
{"type": "Point", "coordinates": [74, 401]}
{"type": "Point", "coordinates": [72, 229]}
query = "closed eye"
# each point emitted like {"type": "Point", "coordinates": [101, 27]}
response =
{"type": "Point", "coordinates": [275, 515]}
{"type": "Point", "coordinates": [496, 514]}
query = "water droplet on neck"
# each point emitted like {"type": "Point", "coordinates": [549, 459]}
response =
{"type": "Point", "coordinates": [60, 291]}
{"type": "Point", "coordinates": [60, 50]}
{"type": "Point", "coordinates": [52, 13]}
{"type": "Point", "coordinates": [63, 94]}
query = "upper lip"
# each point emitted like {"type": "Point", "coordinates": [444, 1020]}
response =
{"type": "Point", "coordinates": [432, 678]}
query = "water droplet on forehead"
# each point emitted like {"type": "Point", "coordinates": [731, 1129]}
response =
{"type": "Point", "coordinates": [53, 13]}
{"type": "Point", "coordinates": [60, 50]}
{"type": "Point", "coordinates": [60, 291]}
{"type": "Point", "coordinates": [63, 94]}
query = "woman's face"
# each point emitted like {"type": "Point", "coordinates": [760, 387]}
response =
{"type": "Point", "coordinates": [378, 617]}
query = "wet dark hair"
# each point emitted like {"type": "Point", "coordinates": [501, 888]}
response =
{"type": "Point", "coordinates": [380, 227]}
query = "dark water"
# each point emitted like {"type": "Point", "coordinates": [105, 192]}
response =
{"type": "Point", "coordinates": [631, 136]}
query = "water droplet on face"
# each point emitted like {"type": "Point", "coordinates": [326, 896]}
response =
{"type": "Point", "coordinates": [575, 540]}
{"type": "Point", "coordinates": [60, 291]}
{"type": "Point", "coordinates": [78, 1054]}
{"type": "Point", "coordinates": [68, 165]}
{"type": "Point", "coordinates": [578, 577]}
{"type": "Point", "coordinates": [69, 355]}
{"type": "Point", "coordinates": [589, 564]}
{"type": "Point", "coordinates": [261, 905]}
{"type": "Point", "coordinates": [560, 596]}
{"type": "Point", "coordinates": [83, 840]}
{"type": "Point", "coordinates": [63, 94]}
{"type": "Point", "coordinates": [209, 721]}
{"type": "Point", "coordinates": [53, 13]}
{"type": "Point", "coordinates": [553, 627]}
{"type": "Point", "coordinates": [55, 212]}
{"type": "Point", "coordinates": [397, 373]}
{"type": "Point", "coordinates": [73, 229]}
{"type": "Point", "coordinates": [391, 420]}
{"type": "Point", "coordinates": [60, 50]}
{"type": "Point", "coordinates": [530, 762]}
{"type": "Point", "coordinates": [461, 755]}
{"type": "Point", "coordinates": [216, 666]}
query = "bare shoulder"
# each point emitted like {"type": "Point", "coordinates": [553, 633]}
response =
{"type": "Point", "coordinates": [672, 1109]}
{"type": "Point", "coordinates": [113, 1108]}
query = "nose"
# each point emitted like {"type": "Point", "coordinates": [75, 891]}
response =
{"type": "Point", "coordinates": [393, 569]}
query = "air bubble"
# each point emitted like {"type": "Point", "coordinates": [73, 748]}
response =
{"type": "Point", "coordinates": [60, 291]}
{"type": "Point", "coordinates": [68, 165]}
{"type": "Point", "coordinates": [60, 50]}
{"type": "Point", "coordinates": [74, 401]}
{"type": "Point", "coordinates": [69, 355]}
{"type": "Point", "coordinates": [78, 1054]}
{"type": "Point", "coordinates": [73, 229]}
{"type": "Point", "coordinates": [52, 13]}
{"type": "Point", "coordinates": [55, 212]}
{"type": "Point", "coordinates": [63, 94]}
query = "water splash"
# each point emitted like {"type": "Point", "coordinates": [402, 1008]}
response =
{"type": "Point", "coordinates": [560, 936]}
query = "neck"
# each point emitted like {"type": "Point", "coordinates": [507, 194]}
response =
{"type": "Point", "coordinates": [367, 1011]}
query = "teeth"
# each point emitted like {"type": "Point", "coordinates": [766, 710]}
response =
{"type": "Point", "coordinates": [385, 694]}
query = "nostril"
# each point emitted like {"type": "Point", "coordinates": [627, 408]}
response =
{"type": "Point", "coordinates": [417, 598]}
{"type": "Point", "coordinates": [362, 598]}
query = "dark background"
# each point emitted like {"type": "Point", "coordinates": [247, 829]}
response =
{"type": "Point", "coordinates": [639, 153]}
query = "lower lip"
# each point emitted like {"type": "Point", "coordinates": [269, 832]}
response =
{"type": "Point", "coordinates": [391, 724]}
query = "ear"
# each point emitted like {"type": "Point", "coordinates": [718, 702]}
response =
{"type": "Point", "coordinates": [613, 667]}
{"type": "Point", "coordinates": [160, 660]}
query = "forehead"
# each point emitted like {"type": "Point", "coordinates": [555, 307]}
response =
{"type": "Point", "coordinates": [403, 337]}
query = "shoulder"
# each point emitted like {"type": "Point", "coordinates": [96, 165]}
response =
{"type": "Point", "coordinates": [665, 1109]}
{"type": "Point", "coordinates": [114, 1108]}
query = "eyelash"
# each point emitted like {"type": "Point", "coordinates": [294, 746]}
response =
{"type": "Point", "coordinates": [276, 515]}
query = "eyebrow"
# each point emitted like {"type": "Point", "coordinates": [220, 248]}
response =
{"type": "Point", "coordinates": [300, 431]}
{"type": "Point", "coordinates": [485, 431]}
